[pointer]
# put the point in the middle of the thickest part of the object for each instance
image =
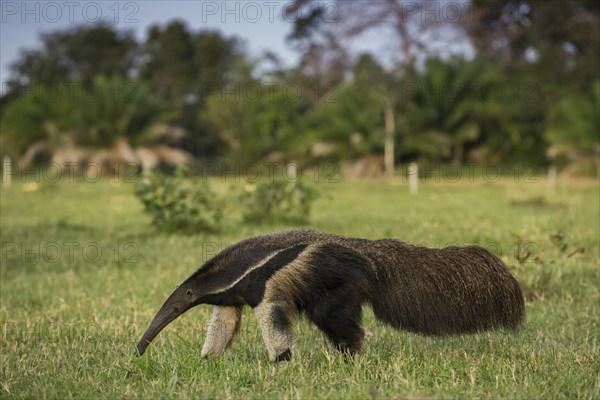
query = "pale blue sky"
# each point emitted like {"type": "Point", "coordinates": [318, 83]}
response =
{"type": "Point", "coordinates": [261, 24]}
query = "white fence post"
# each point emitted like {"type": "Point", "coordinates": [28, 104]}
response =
{"type": "Point", "coordinates": [552, 177]}
{"type": "Point", "coordinates": [413, 178]}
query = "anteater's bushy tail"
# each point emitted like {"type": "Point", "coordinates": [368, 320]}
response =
{"type": "Point", "coordinates": [444, 291]}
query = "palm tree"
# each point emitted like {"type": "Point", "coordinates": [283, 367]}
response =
{"type": "Point", "coordinates": [112, 121]}
{"type": "Point", "coordinates": [450, 105]}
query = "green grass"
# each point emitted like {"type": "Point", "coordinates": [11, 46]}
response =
{"type": "Point", "coordinates": [69, 317]}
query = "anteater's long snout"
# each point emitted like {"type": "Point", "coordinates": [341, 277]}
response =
{"type": "Point", "coordinates": [175, 305]}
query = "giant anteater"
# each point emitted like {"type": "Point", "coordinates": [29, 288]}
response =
{"type": "Point", "coordinates": [328, 278]}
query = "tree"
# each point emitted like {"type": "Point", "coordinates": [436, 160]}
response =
{"type": "Point", "coordinates": [449, 107]}
{"type": "Point", "coordinates": [78, 53]}
{"type": "Point", "coordinates": [573, 129]}
{"type": "Point", "coordinates": [560, 40]}
{"type": "Point", "coordinates": [550, 50]}
{"type": "Point", "coordinates": [323, 26]}
{"type": "Point", "coordinates": [169, 61]}
{"type": "Point", "coordinates": [254, 127]}
{"type": "Point", "coordinates": [184, 68]}
{"type": "Point", "coordinates": [181, 65]}
{"type": "Point", "coordinates": [381, 86]}
{"type": "Point", "coordinates": [408, 23]}
{"type": "Point", "coordinates": [28, 120]}
{"type": "Point", "coordinates": [92, 121]}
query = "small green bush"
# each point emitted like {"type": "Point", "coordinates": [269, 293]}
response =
{"type": "Point", "coordinates": [278, 201]}
{"type": "Point", "coordinates": [178, 203]}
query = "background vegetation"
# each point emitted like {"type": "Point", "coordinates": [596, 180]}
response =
{"type": "Point", "coordinates": [527, 94]}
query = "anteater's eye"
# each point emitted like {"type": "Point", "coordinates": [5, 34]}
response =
{"type": "Point", "coordinates": [189, 292]}
{"type": "Point", "coordinates": [176, 309]}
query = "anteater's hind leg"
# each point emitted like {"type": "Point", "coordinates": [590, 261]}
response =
{"type": "Point", "coordinates": [274, 319]}
{"type": "Point", "coordinates": [339, 317]}
{"type": "Point", "coordinates": [223, 326]}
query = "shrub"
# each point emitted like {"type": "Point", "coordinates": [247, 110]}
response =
{"type": "Point", "coordinates": [278, 201]}
{"type": "Point", "coordinates": [178, 203]}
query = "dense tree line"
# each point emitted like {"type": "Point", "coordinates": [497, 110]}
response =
{"type": "Point", "coordinates": [531, 93]}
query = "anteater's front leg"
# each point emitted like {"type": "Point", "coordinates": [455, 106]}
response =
{"type": "Point", "coordinates": [223, 326]}
{"type": "Point", "coordinates": [274, 319]}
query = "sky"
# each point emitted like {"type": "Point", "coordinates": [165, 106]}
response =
{"type": "Point", "coordinates": [261, 24]}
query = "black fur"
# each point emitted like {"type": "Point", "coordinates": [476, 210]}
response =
{"type": "Point", "coordinates": [280, 319]}
{"type": "Point", "coordinates": [328, 278]}
{"type": "Point", "coordinates": [285, 356]}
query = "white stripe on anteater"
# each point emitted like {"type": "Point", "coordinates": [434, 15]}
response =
{"type": "Point", "coordinates": [247, 272]}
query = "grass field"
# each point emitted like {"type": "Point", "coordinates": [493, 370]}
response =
{"type": "Point", "coordinates": [83, 273]}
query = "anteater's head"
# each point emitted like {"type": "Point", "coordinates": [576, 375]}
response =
{"type": "Point", "coordinates": [182, 299]}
